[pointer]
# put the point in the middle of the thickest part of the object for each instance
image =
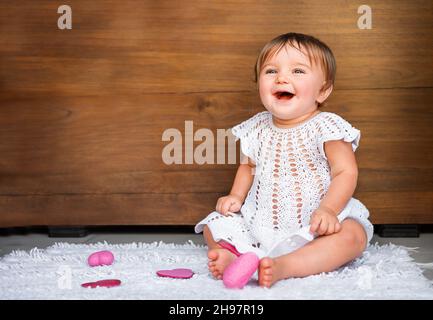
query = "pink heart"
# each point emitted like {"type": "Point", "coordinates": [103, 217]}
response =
{"type": "Point", "coordinates": [100, 258]}
{"type": "Point", "coordinates": [176, 273]}
{"type": "Point", "coordinates": [102, 283]}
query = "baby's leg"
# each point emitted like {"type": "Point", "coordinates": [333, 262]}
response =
{"type": "Point", "coordinates": [324, 254]}
{"type": "Point", "coordinates": [219, 258]}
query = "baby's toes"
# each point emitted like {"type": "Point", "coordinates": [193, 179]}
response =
{"type": "Point", "coordinates": [216, 274]}
{"type": "Point", "coordinates": [265, 280]}
{"type": "Point", "coordinates": [267, 275]}
{"type": "Point", "coordinates": [266, 272]}
{"type": "Point", "coordinates": [212, 268]}
{"type": "Point", "coordinates": [213, 255]}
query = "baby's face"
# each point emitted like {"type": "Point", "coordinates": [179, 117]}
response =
{"type": "Point", "coordinates": [290, 71]}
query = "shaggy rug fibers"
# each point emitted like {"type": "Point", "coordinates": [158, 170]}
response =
{"type": "Point", "coordinates": [57, 272]}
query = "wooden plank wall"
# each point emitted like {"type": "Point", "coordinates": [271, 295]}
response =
{"type": "Point", "coordinates": [82, 111]}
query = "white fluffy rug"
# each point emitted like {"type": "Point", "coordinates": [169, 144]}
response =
{"type": "Point", "coordinates": [383, 272]}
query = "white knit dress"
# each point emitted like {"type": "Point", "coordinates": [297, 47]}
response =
{"type": "Point", "coordinates": [292, 176]}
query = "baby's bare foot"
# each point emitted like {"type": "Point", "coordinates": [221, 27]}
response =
{"type": "Point", "coordinates": [269, 272]}
{"type": "Point", "coordinates": [219, 259]}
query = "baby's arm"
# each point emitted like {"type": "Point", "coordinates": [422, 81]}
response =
{"type": "Point", "coordinates": [243, 180]}
{"type": "Point", "coordinates": [344, 175]}
{"type": "Point", "coordinates": [242, 184]}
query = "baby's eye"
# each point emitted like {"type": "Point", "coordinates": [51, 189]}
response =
{"type": "Point", "coordinates": [298, 71]}
{"type": "Point", "coordinates": [268, 71]}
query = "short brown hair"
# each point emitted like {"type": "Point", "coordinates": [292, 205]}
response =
{"type": "Point", "coordinates": [317, 51]}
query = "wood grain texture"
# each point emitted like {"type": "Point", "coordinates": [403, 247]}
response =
{"type": "Point", "coordinates": [158, 209]}
{"type": "Point", "coordinates": [82, 111]}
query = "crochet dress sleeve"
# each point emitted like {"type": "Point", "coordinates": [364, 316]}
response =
{"type": "Point", "coordinates": [334, 127]}
{"type": "Point", "coordinates": [248, 132]}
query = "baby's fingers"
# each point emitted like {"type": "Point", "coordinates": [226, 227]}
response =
{"type": "Point", "coordinates": [323, 227]}
{"type": "Point", "coordinates": [331, 229]}
{"type": "Point", "coordinates": [218, 206]}
{"type": "Point", "coordinates": [235, 207]}
{"type": "Point", "coordinates": [225, 207]}
{"type": "Point", "coordinates": [315, 223]}
{"type": "Point", "coordinates": [337, 227]}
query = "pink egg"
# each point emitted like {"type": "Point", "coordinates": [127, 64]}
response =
{"type": "Point", "coordinates": [100, 258]}
{"type": "Point", "coordinates": [240, 271]}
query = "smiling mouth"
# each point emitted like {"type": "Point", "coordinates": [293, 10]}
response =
{"type": "Point", "coordinates": [283, 95]}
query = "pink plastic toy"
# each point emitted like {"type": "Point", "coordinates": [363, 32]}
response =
{"type": "Point", "coordinates": [100, 258]}
{"type": "Point", "coordinates": [229, 247]}
{"type": "Point", "coordinates": [176, 273]}
{"type": "Point", "coordinates": [102, 283]}
{"type": "Point", "coordinates": [240, 271]}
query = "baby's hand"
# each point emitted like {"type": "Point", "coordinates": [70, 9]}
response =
{"type": "Point", "coordinates": [324, 222]}
{"type": "Point", "coordinates": [228, 204]}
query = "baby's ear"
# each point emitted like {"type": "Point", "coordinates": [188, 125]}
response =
{"type": "Point", "coordinates": [324, 92]}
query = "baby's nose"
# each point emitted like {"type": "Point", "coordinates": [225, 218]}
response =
{"type": "Point", "coordinates": [282, 78]}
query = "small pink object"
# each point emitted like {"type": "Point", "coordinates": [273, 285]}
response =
{"type": "Point", "coordinates": [100, 258]}
{"type": "Point", "coordinates": [229, 247]}
{"type": "Point", "coordinates": [176, 273]}
{"type": "Point", "coordinates": [240, 271]}
{"type": "Point", "coordinates": [102, 283]}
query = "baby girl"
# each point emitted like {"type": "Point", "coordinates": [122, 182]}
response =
{"type": "Point", "coordinates": [291, 201]}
